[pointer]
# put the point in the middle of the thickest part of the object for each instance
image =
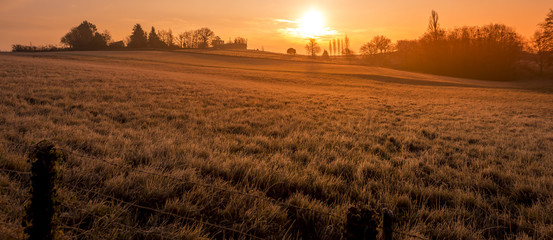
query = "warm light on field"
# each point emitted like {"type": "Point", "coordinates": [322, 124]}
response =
{"type": "Point", "coordinates": [310, 25]}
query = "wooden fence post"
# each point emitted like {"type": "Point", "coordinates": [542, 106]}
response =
{"type": "Point", "coordinates": [387, 224]}
{"type": "Point", "coordinates": [39, 221]}
{"type": "Point", "coordinates": [361, 224]}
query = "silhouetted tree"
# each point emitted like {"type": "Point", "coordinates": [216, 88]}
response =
{"type": "Point", "coordinates": [85, 37]}
{"type": "Point", "coordinates": [347, 51]}
{"type": "Point", "coordinates": [138, 38]}
{"type": "Point", "coordinates": [547, 27]}
{"type": "Point", "coordinates": [382, 43]}
{"type": "Point", "coordinates": [181, 40]}
{"type": "Point", "coordinates": [488, 52]}
{"type": "Point", "coordinates": [204, 35]}
{"type": "Point", "coordinates": [434, 29]}
{"type": "Point", "coordinates": [189, 39]}
{"type": "Point", "coordinates": [312, 47]}
{"type": "Point", "coordinates": [240, 40]}
{"type": "Point", "coordinates": [369, 49]}
{"type": "Point", "coordinates": [166, 37]}
{"type": "Point", "coordinates": [153, 39]}
{"type": "Point", "coordinates": [107, 37]}
{"type": "Point", "coordinates": [543, 42]}
{"type": "Point", "coordinates": [291, 51]}
{"type": "Point", "coordinates": [334, 47]}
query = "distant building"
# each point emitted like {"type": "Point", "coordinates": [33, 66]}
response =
{"type": "Point", "coordinates": [239, 43]}
{"type": "Point", "coordinates": [118, 44]}
{"type": "Point", "coordinates": [217, 42]}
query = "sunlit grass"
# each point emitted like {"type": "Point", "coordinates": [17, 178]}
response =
{"type": "Point", "coordinates": [452, 160]}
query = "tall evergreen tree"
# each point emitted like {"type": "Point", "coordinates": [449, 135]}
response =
{"type": "Point", "coordinates": [138, 38]}
{"type": "Point", "coordinates": [153, 39]}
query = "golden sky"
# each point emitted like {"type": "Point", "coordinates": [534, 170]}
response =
{"type": "Point", "coordinates": [266, 24]}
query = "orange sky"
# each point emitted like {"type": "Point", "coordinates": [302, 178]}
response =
{"type": "Point", "coordinates": [45, 22]}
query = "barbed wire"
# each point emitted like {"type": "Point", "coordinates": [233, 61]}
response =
{"type": "Point", "coordinates": [202, 185]}
{"type": "Point", "coordinates": [161, 211]}
{"type": "Point", "coordinates": [143, 207]}
{"type": "Point", "coordinates": [207, 185]}
{"type": "Point", "coordinates": [407, 234]}
{"type": "Point", "coordinates": [15, 171]}
{"type": "Point", "coordinates": [133, 228]}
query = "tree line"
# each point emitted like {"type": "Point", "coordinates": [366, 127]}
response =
{"type": "Point", "coordinates": [86, 36]}
{"type": "Point", "coordinates": [336, 47]}
{"type": "Point", "coordinates": [493, 51]}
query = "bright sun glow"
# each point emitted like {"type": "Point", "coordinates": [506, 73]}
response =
{"type": "Point", "coordinates": [310, 25]}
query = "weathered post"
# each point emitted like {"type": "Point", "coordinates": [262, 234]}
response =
{"type": "Point", "coordinates": [387, 224]}
{"type": "Point", "coordinates": [39, 221]}
{"type": "Point", "coordinates": [361, 224]}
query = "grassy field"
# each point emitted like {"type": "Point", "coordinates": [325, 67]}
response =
{"type": "Point", "coordinates": [452, 158]}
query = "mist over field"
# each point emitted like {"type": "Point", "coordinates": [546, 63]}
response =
{"type": "Point", "coordinates": [217, 144]}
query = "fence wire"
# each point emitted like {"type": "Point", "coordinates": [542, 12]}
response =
{"type": "Point", "coordinates": [105, 196]}
{"type": "Point", "coordinates": [207, 185]}
{"type": "Point", "coordinates": [193, 183]}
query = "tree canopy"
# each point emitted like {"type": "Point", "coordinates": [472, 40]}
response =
{"type": "Point", "coordinates": [204, 35]}
{"type": "Point", "coordinates": [85, 37]}
{"type": "Point", "coordinates": [291, 51]}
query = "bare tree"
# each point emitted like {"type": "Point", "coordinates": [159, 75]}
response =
{"type": "Point", "coordinates": [166, 36]}
{"type": "Point", "coordinates": [107, 37]}
{"type": "Point", "coordinates": [543, 42]}
{"type": "Point", "coordinates": [240, 40]}
{"type": "Point", "coordinates": [204, 35]}
{"type": "Point", "coordinates": [369, 49]}
{"type": "Point", "coordinates": [217, 41]}
{"type": "Point", "coordinates": [347, 51]}
{"type": "Point", "coordinates": [380, 43]}
{"type": "Point", "coordinates": [181, 37]}
{"type": "Point", "coordinates": [539, 45]}
{"type": "Point", "coordinates": [189, 39]}
{"type": "Point", "coordinates": [312, 47]}
{"type": "Point", "coordinates": [434, 26]}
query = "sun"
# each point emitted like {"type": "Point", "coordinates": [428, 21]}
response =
{"type": "Point", "coordinates": [311, 25]}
